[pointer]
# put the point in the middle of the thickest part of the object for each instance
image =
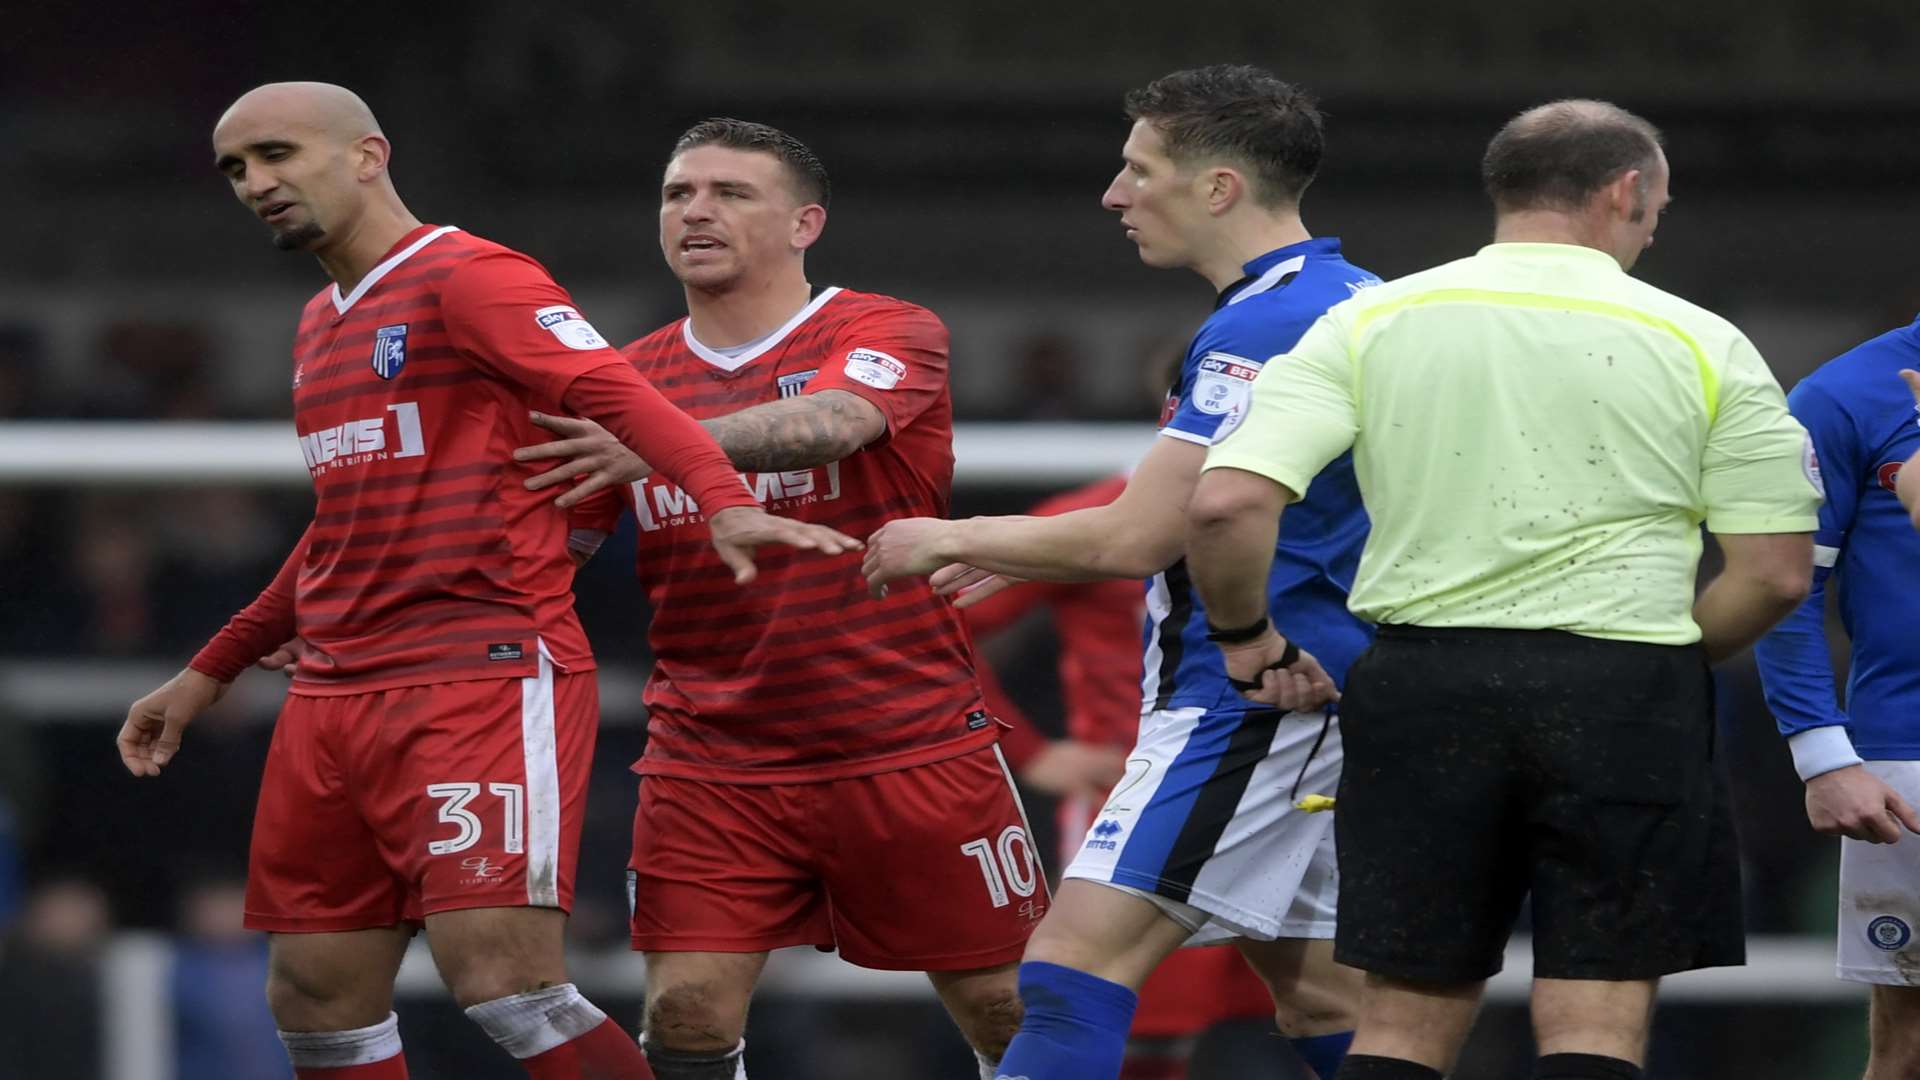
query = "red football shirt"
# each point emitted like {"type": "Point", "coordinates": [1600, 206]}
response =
{"type": "Point", "coordinates": [803, 676]}
{"type": "Point", "coordinates": [427, 561]}
{"type": "Point", "coordinates": [1098, 625]}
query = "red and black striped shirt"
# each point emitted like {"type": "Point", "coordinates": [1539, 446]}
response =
{"type": "Point", "coordinates": [803, 676]}
{"type": "Point", "coordinates": [427, 560]}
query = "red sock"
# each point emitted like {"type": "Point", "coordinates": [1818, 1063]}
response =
{"type": "Point", "coordinates": [604, 1053]}
{"type": "Point", "coordinates": [394, 1068]}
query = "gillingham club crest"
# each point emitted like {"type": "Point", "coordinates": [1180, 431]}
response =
{"type": "Point", "coordinates": [389, 350]}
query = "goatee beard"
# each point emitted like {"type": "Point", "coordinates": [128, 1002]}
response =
{"type": "Point", "coordinates": [300, 238]}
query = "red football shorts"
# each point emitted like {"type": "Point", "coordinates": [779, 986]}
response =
{"type": "Point", "coordinates": [930, 868]}
{"type": "Point", "coordinates": [389, 806]}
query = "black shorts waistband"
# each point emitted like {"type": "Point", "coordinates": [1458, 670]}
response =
{"type": "Point", "coordinates": [1501, 637]}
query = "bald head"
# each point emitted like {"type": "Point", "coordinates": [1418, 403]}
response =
{"type": "Point", "coordinates": [1557, 156]}
{"type": "Point", "coordinates": [317, 108]}
{"type": "Point", "coordinates": [308, 158]}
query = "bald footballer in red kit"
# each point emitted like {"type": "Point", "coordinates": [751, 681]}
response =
{"type": "Point", "coordinates": [429, 765]}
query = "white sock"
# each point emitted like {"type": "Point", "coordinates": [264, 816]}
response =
{"type": "Point", "coordinates": [340, 1049]}
{"type": "Point", "coordinates": [530, 1024]}
{"type": "Point", "coordinates": [677, 1065]}
{"type": "Point", "coordinates": [989, 1069]}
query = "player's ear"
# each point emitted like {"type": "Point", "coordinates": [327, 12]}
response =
{"type": "Point", "coordinates": [808, 223]}
{"type": "Point", "coordinates": [1224, 189]}
{"type": "Point", "coordinates": [371, 155]}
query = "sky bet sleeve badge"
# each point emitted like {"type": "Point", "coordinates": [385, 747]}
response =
{"type": "Point", "coordinates": [389, 350]}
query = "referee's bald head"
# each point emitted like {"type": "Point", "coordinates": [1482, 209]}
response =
{"type": "Point", "coordinates": [1557, 156]}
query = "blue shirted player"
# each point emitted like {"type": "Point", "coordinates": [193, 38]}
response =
{"type": "Point", "coordinates": [1200, 842]}
{"type": "Point", "coordinates": [1862, 764]}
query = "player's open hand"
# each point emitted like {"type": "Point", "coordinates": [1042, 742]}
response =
{"type": "Point", "coordinates": [586, 451]}
{"type": "Point", "coordinates": [1301, 685]}
{"type": "Point", "coordinates": [969, 585]}
{"type": "Point", "coordinates": [285, 659]}
{"type": "Point", "coordinates": [905, 547]}
{"type": "Point", "coordinates": [737, 530]}
{"type": "Point", "coordinates": [151, 735]}
{"type": "Point", "coordinates": [1855, 803]}
{"type": "Point", "coordinates": [1070, 768]}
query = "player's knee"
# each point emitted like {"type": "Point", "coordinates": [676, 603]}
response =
{"type": "Point", "coordinates": [307, 1000]}
{"type": "Point", "coordinates": [694, 1018]}
{"type": "Point", "coordinates": [1310, 1005]}
{"type": "Point", "coordinates": [1308, 1010]}
{"type": "Point", "coordinates": [482, 982]}
{"type": "Point", "coordinates": [992, 1020]}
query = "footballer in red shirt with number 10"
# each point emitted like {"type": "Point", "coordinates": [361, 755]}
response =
{"type": "Point", "coordinates": [820, 769]}
{"type": "Point", "coordinates": [429, 766]}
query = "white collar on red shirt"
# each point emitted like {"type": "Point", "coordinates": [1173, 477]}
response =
{"type": "Point", "coordinates": [341, 304]}
{"type": "Point", "coordinates": [735, 363]}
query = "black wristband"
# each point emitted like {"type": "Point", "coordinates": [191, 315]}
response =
{"type": "Point", "coordinates": [1239, 634]}
{"type": "Point", "coordinates": [1288, 656]}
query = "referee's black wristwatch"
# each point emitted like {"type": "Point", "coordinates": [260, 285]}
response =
{"type": "Point", "coordinates": [1240, 634]}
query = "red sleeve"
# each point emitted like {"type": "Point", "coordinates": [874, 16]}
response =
{"type": "Point", "coordinates": [258, 629]}
{"type": "Point", "coordinates": [617, 398]}
{"type": "Point", "coordinates": [894, 358]}
{"type": "Point", "coordinates": [505, 314]}
{"type": "Point", "coordinates": [514, 322]}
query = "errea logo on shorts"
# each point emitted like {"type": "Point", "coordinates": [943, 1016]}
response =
{"type": "Point", "coordinates": [570, 328]}
{"type": "Point", "coordinates": [1101, 836]}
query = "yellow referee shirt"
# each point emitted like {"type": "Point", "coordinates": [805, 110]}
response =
{"type": "Point", "coordinates": [1538, 437]}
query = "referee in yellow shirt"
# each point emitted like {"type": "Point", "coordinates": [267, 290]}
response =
{"type": "Point", "coordinates": [1538, 439]}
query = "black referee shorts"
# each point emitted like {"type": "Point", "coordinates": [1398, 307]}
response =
{"type": "Point", "coordinates": [1484, 765]}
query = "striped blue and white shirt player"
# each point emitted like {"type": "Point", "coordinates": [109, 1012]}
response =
{"type": "Point", "coordinates": [1204, 815]}
{"type": "Point", "coordinates": [1255, 319]}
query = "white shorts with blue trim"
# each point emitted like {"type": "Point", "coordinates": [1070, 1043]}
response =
{"type": "Point", "coordinates": [1880, 896]}
{"type": "Point", "coordinates": [1205, 822]}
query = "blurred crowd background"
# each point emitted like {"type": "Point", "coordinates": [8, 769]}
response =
{"type": "Point", "coordinates": [968, 145]}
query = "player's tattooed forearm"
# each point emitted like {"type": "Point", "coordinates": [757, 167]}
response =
{"type": "Point", "coordinates": [797, 433]}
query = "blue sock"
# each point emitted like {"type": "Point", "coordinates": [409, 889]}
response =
{"type": "Point", "coordinates": [1323, 1052]}
{"type": "Point", "coordinates": [1075, 1027]}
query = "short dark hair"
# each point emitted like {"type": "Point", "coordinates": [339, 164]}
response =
{"type": "Point", "coordinates": [809, 176]}
{"type": "Point", "coordinates": [1242, 113]}
{"type": "Point", "coordinates": [1556, 156]}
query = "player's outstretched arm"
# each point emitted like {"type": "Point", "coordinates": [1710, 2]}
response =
{"type": "Point", "coordinates": [794, 433]}
{"type": "Point", "coordinates": [155, 723]}
{"type": "Point", "coordinates": [1138, 534]}
{"type": "Point", "coordinates": [737, 531]}
{"type": "Point", "coordinates": [798, 432]}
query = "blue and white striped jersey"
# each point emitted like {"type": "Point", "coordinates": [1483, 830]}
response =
{"type": "Point", "coordinates": [1256, 319]}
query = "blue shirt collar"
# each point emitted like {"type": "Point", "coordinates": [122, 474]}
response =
{"type": "Point", "coordinates": [1318, 247]}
